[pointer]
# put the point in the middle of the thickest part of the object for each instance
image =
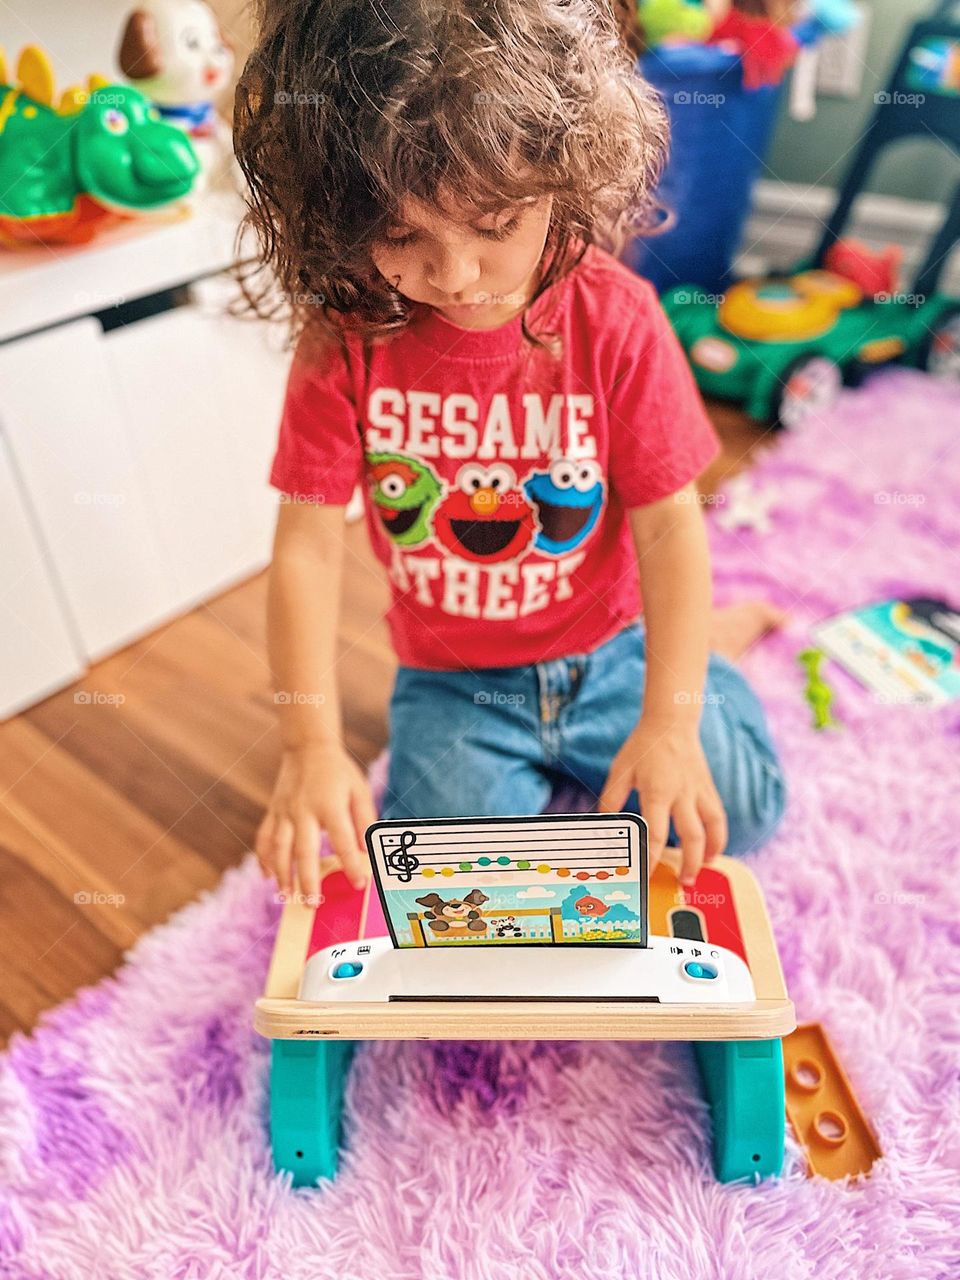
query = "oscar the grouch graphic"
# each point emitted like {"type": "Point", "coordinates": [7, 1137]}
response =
{"type": "Point", "coordinates": [404, 492]}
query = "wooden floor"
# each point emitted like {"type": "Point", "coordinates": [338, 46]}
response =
{"type": "Point", "coordinates": [128, 793]}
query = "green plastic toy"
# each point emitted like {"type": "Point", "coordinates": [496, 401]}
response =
{"type": "Point", "coordinates": [784, 347]}
{"type": "Point", "coordinates": [673, 20]}
{"type": "Point", "coordinates": [103, 153]}
{"type": "Point", "coordinates": [817, 692]}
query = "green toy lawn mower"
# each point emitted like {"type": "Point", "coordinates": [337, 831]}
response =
{"type": "Point", "coordinates": [783, 346]}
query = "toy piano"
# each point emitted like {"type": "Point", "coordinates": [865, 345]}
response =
{"type": "Point", "coordinates": [545, 927]}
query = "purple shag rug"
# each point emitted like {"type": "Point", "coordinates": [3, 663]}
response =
{"type": "Point", "coordinates": [132, 1121]}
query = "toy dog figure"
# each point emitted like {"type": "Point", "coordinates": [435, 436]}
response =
{"type": "Point", "coordinates": [176, 54]}
{"type": "Point", "coordinates": [455, 916]}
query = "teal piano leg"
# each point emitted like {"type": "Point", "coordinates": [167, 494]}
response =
{"type": "Point", "coordinates": [743, 1081]}
{"type": "Point", "coordinates": [307, 1082]}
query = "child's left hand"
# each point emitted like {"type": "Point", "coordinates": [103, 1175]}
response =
{"type": "Point", "coordinates": [665, 763]}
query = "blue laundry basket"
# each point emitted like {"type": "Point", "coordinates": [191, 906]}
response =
{"type": "Point", "coordinates": [719, 136]}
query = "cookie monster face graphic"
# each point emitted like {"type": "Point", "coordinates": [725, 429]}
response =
{"type": "Point", "coordinates": [404, 493]}
{"type": "Point", "coordinates": [569, 499]}
{"type": "Point", "coordinates": [486, 518]}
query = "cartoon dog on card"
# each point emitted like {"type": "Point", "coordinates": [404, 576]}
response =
{"type": "Point", "coordinates": [454, 917]}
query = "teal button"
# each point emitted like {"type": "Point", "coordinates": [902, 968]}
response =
{"type": "Point", "coordinates": [348, 969]}
{"type": "Point", "coordinates": [694, 969]}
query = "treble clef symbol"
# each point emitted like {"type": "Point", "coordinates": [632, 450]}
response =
{"type": "Point", "coordinates": [404, 863]}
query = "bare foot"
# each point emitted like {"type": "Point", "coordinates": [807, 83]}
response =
{"type": "Point", "coordinates": [738, 627]}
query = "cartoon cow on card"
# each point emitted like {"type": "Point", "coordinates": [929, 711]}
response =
{"type": "Point", "coordinates": [507, 927]}
{"type": "Point", "coordinates": [454, 917]}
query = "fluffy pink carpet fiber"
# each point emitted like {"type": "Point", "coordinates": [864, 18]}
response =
{"type": "Point", "coordinates": [133, 1119]}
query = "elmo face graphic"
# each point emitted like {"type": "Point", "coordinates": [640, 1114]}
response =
{"type": "Point", "coordinates": [588, 905]}
{"type": "Point", "coordinates": [486, 518]}
{"type": "Point", "coordinates": [569, 499]}
{"type": "Point", "coordinates": [404, 492]}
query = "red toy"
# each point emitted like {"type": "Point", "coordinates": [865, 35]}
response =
{"type": "Point", "coordinates": [766, 48]}
{"type": "Point", "coordinates": [874, 273]}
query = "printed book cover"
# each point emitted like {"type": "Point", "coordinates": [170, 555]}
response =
{"type": "Point", "coordinates": [903, 651]}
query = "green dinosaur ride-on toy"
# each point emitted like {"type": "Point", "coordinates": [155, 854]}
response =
{"type": "Point", "coordinates": [783, 346]}
{"type": "Point", "coordinates": [101, 154]}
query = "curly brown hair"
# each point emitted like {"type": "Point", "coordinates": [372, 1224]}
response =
{"type": "Point", "coordinates": [347, 106]}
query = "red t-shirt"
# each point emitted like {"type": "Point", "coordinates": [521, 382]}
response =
{"type": "Point", "coordinates": [499, 475]}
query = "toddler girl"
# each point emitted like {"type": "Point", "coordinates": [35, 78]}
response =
{"type": "Point", "coordinates": [438, 186]}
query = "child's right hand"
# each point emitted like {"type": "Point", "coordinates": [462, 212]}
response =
{"type": "Point", "coordinates": [319, 788]}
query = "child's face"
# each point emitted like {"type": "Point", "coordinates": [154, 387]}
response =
{"type": "Point", "coordinates": [476, 270]}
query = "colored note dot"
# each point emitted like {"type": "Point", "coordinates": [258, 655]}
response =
{"type": "Point", "coordinates": [428, 871]}
{"type": "Point", "coordinates": [446, 871]}
{"type": "Point", "coordinates": [543, 868]}
{"type": "Point", "coordinates": [603, 875]}
{"type": "Point", "coordinates": [484, 862]}
{"type": "Point", "coordinates": [583, 875]}
{"type": "Point", "coordinates": [466, 866]}
{"type": "Point", "coordinates": [523, 865]}
{"type": "Point", "coordinates": [504, 860]}
{"type": "Point", "coordinates": [623, 871]}
{"type": "Point", "coordinates": [563, 871]}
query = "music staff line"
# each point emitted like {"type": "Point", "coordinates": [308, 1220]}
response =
{"type": "Point", "coordinates": [525, 840]}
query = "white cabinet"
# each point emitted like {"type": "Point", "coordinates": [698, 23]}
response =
{"type": "Point", "coordinates": [200, 398]}
{"type": "Point", "coordinates": [62, 418]}
{"type": "Point", "coordinates": [135, 471]}
{"type": "Point", "coordinates": [37, 651]}
{"type": "Point", "coordinates": [145, 453]}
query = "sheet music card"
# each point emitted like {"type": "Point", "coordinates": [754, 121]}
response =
{"type": "Point", "coordinates": [551, 879]}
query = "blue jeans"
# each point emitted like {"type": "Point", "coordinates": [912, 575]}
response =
{"type": "Point", "coordinates": [497, 741]}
